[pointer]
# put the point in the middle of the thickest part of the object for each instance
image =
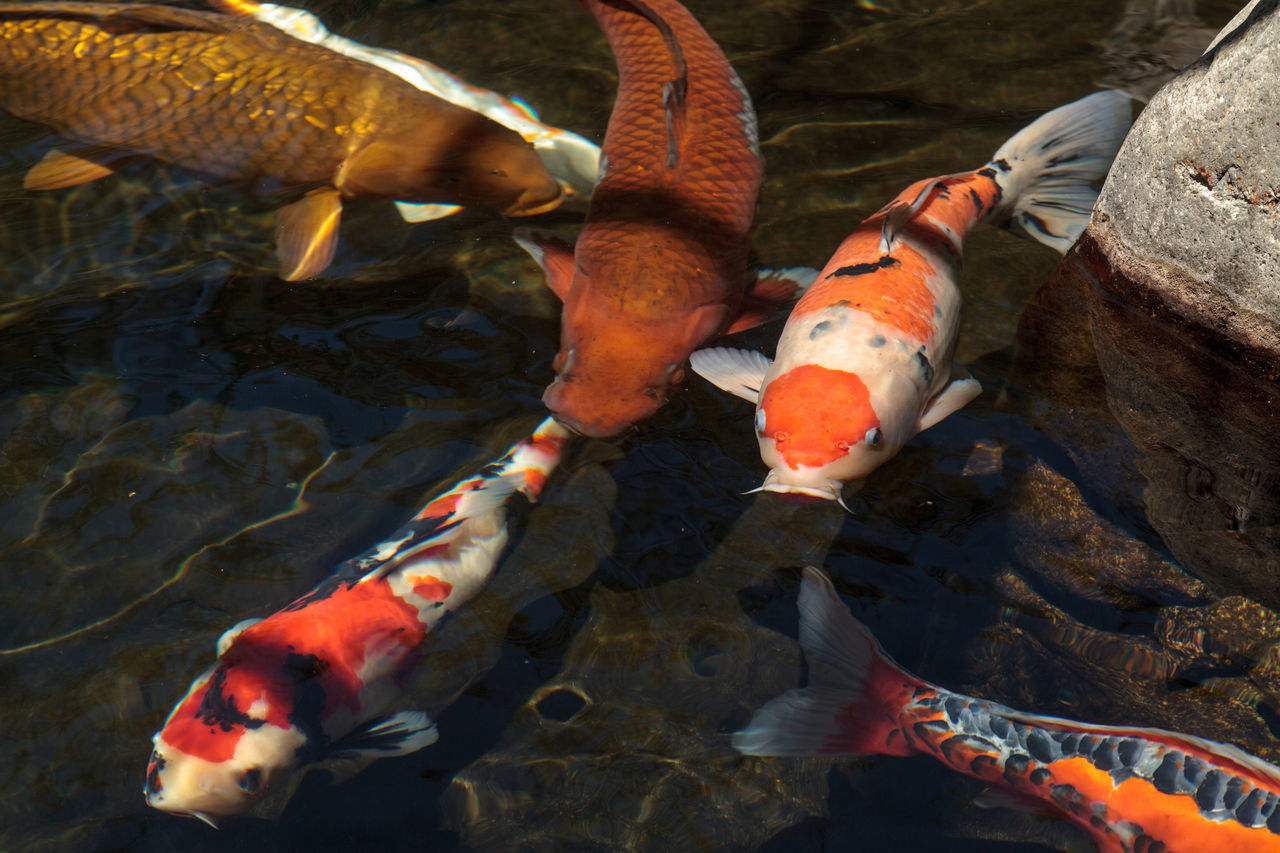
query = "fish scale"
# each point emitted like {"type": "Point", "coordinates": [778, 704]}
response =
{"type": "Point", "coordinates": [709, 176]}
{"type": "Point", "coordinates": [1133, 790]}
{"type": "Point", "coordinates": [238, 99]}
{"type": "Point", "coordinates": [148, 107]}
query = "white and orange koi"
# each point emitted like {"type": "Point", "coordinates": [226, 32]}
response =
{"type": "Point", "coordinates": [865, 359]}
{"type": "Point", "coordinates": [1133, 790]}
{"type": "Point", "coordinates": [307, 683]}
{"type": "Point", "coordinates": [571, 159]}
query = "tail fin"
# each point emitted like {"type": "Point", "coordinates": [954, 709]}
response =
{"type": "Point", "coordinates": [1046, 170]}
{"type": "Point", "coordinates": [839, 712]}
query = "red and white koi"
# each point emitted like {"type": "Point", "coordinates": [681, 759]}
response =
{"type": "Point", "coordinates": [1133, 790]}
{"type": "Point", "coordinates": [307, 683]}
{"type": "Point", "coordinates": [572, 159]}
{"type": "Point", "coordinates": [865, 359]}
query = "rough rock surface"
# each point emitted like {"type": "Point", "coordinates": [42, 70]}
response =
{"type": "Point", "coordinates": [1191, 209]}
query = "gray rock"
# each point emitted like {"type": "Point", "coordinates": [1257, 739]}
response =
{"type": "Point", "coordinates": [1190, 210]}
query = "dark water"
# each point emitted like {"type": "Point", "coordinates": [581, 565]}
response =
{"type": "Point", "coordinates": [188, 441]}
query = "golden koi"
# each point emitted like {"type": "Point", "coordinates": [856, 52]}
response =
{"type": "Point", "coordinates": [240, 100]}
{"type": "Point", "coordinates": [865, 359]}
{"type": "Point", "coordinates": [572, 159]}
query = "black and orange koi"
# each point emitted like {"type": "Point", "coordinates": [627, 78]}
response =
{"type": "Point", "coordinates": [307, 683]}
{"type": "Point", "coordinates": [1133, 790]}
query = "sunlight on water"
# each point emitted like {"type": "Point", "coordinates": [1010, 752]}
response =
{"type": "Point", "coordinates": [188, 442]}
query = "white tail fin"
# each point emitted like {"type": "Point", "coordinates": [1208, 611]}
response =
{"type": "Point", "coordinates": [827, 717]}
{"type": "Point", "coordinates": [1046, 170]}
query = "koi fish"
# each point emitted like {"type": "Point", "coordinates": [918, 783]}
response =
{"type": "Point", "coordinates": [661, 263]}
{"type": "Point", "coordinates": [1133, 790]}
{"type": "Point", "coordinates": [865, 359]}
{"type": "Point", "coordinates": [307, 683]}
{"type": "Point", "coordinates": [572, 159]}
{"type": "Point", "coordinates": [240, 100]}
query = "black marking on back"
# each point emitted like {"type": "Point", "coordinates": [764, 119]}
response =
{"type": "Point", "coordinates": [819, 330]}
{"type": "Point", "coordinates": [1000, 727]}
{"type": "Point", "coordinates": [1210, 790]}
{"type": "Point", "coordinates": [308, 695]}
{"type": "Point", "coordinates": [976, 199]}
{"type": "Point", "coordinates": [1016, 766]}
{"type": "Point", "coordinates": [884, 262]}
{"type": "Point", "coordinates": [1039, 745]}
{"type": "Point", "coordinates": [219, 709]}
{"type": "Point", "coordinates": [876, 341]}
{"type": "Point", "coordinates": [1129, 751]}
{"type": "Point", "coordinates": [1001, 164]}
{"type": "Point", "coordinates": [1233, 794]}
{"type": "Point", "coordinates": [982, 765]}
{"type": "Point", "coordinates": [924, 366]}
{"type": "Point", "coordinates": [1249, 811]}
{"type": "Point", "coordinates": [987, 172]}
{"type": "Point", "coordinates": [954, 707]}
{"type": "Point", "coordinates": [1166, 776]}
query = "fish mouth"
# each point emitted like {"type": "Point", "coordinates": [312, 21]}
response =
{"type": "Point", "coordinates": [828, 494]}
{"type": "Point", "coordinates": [532, 207]}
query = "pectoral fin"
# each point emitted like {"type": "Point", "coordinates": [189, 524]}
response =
{"type": "Point", "coordinates": [773, 291]}
{"type": "Point", "coordinates": [307, 233]}
{"type": "Point", "coordinates": [948, 401]}
{"type": "Point", "coordinates": [553, 254]}
{"type": "Point", "coordinates": [738, 371]}
{"type": "Point", "coordinates": [384, 737]}
{"type": "Point", "coordinates": [69, 167]}
{"type": "Point", "coordinates": [414, 212]}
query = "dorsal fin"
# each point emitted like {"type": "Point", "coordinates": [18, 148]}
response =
{"type": "Point", "coordinates": [899, 212]}
{"type": "Point", "coordinates": [675, 90]}
{"type": "Point", "coordinates": [125, 16]}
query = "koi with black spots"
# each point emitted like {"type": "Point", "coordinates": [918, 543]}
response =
{"type": "Point", "coordinates": [865, 359]}
{"type": "Point", "coordinates": [1133, 790]}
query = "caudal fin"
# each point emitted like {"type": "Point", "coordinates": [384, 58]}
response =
{"type": "Point", "coordinates": [839, 712]}
{"type": "Point", "coordinates": [1046, 171]}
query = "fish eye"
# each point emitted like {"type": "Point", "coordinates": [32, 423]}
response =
{"type": "Point", "coordinates": [873, 437]}
{"type": "Point", "coordinates": [250, 780]}
{"type": "Point", "coordinates": [652, 393]}
{"type": "Point", "coordinates": [676, 375]}
{"type": "Point", "coordinates": [760, 420]}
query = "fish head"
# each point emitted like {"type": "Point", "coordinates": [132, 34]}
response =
{"type": "Point", "coordinates": [220, 751]}
{"type": "Point", "coordinates": [613, 372]}
{"type": "Point", "coordinates": [818, 430]}
{"type": "Point", "coordinates": [470, 161]}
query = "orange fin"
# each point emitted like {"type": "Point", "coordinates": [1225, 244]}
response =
{"type": "Point", "coordinates": [772, 291]}
{"type": "Point", "coordinates": [71, 167]}
{"type": "Point", "coordinates": [307, 233]}
{"type": "Point", "coordinates": [553, 254]}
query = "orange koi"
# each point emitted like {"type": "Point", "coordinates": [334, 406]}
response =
{"type": "Point", "coordinates": [238, 99]}
{"type": "Point", "coordinates": [865, 359]}
{"type": "Point", "coordinates": [661, 263]}
{"type": "Point", "coordinates": [1133, 790]}
{"type": "Point", "coordinates": [307, 683]}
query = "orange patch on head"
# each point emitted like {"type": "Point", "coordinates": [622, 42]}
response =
{"type": "Point", "coordinates": [815, 414]}
{"type": "Point", "coordinates": [432, 589]}
{"type": "Point", "coordinates": [187, 732]}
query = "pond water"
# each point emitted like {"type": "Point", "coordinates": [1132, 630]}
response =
{"type": "Point", "coordinates": [188, 441]}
